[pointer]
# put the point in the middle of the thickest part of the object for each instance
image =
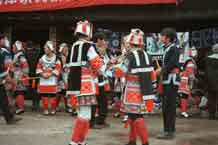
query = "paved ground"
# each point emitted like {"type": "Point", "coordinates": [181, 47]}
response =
{"type": "Point", "coordinates": [36, 129]}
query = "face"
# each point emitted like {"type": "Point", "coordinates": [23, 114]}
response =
{"type": "Point", "coordinates": [47, 50]}
{"type": "Point", "coordinates": [165, 40]}
{"type": "Point", "coordinates": [194, 53]}
{"type": "Point", "coordinates": [65, 51]}
{"type": "Point", "coordinates": [127, 46]}
{"type": "Point", "coordinates": [2, 42]}
{"type": "Point", "coordinates": [14, 49]}
{"type": "Point", "coordinates": [101, 43]}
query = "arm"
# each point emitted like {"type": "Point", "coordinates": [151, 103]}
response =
{"type": "Point", "coordinates": [153, 76]}
{"type": "Point", "coordinates": [172, 60]}
{"type": "Point", "coordinates": [95, 61]}
{"type": "Point", "coordinates": [57, 69]}
{"type": "Point", "coordinates": [24, 66]}
{"type": "Point", "coordinates": [121, 69]}
{"type": "Point", "coordinates": [39, 68]}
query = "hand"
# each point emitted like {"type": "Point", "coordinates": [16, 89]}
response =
{"type": "Point", "coordinates": [113, 61]}
{"type": "Point", "coordinates": [66, 86]}
{"type": "Point", "coordinates": [45, 75]}
{"type": "Point", "coordinates": [158, 71]}
{"type": "Point", "coordinates": [9, 79]}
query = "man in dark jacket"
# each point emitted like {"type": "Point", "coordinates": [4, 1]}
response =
{"type": "Point", "coordinates": [212, 73]}
{"type": "Point", "coordinates": [170, 81]}
{"type": "Point", "coordinates": [103, 83]}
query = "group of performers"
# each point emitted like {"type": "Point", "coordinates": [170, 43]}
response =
{"type": "Point", "coordinates": [84, 71]}
{"type": "Point", "coordinates": [88, 63]}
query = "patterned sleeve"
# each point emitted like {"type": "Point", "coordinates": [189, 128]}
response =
{"type": "Point", "coordinates": [122, 68]}
{"type": "Point", "coordinates": [153, 75]}
{"type": "Point", "coordinates": [57, 69]}
{"type": "Point", "coordinates": [39, 68]}
{"type": "Point", "coordinates": [24, 65]}
{"type": "Point", "coordinates": [9, 63]}
{"type": "Point", "coordinates": [95, 61]}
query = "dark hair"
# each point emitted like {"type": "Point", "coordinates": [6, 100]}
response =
{"type": "Point", "coordinates": [80, 35]}
{"type": "Point", "coordinates": [169, 33]}
{"type": "Point", "coordinates": [2, 36]}
{"type": "Point", "coordinates": [29, 44]}
{"type": "Point", "coordinates": [99, 35]}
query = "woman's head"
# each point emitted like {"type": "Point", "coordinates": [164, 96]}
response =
{"type": "Point", "coordinates": [49, 48]}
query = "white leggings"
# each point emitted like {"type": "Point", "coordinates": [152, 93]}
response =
{"type": "Point", "coordinates": [85, 112]}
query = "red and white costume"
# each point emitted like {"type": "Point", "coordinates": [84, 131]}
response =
{"type": "Point", "coordinates": [9, 84]}
{"type": "Point", "coordinates": [187, 80]}
{"type": "Point", "coordinates": [48, 86]}
{"type": "Point", "coordinates": [138, 70]}
{"type": "Point", "coordinates": [63, 78]}
{"type": "Point", "coordinates": [83, 62]}
{"type": "Point", "coordinates": [21, 75]}
{"type": "Point", "coordinates": [63, 82]}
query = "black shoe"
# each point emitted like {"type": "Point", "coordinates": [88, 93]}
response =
{"type": "Point", "coordinates": [36, 108]}
{"type": "Point", "coordinates": [14, 120]}
{"type": "Point", "coordinates": [131, 143]}
{"type": "Point", "coordinates": [73, 113]}
{"type": "Point", "coordinates": [166, 136]}
{"type": "Point", "coordinates": [103, 125]}
{"type": "Point", "coordinates": [172, 134]}
{"type": "Point", "coordinates": [146, 144]}
{"type": "Point", "coordinates": [212, 117]}
{"type": "Point", "coordinates": [106, 125]}
{"type": "Point", "coordinates": [97, 126]}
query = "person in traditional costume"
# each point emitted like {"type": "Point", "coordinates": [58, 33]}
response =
{"type": "Point", "coordinates": [21, 75]}
{"type": "Point", "coordinates": [120, 82]}
{"type": "Point", "coordinates": [189, 71]}
{"type": "Point", "coordinates": [63, 78]}
{"type": "Point", "coordinates": [83, 62]}
{"type": "Point", "coordinates": [48, 69]}
{"type": "Point", "coordinates": [9, 117]}
{"type": "Point", "coordinates": [138, 70]}
{"type": "Point", "coordinates": [10, 83]}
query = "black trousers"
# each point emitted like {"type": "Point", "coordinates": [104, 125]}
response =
{"type": "Point", "coordinates": [93, 118]}
{"type": "Point", "coordinates": [169, 107]}
{"type": "Point", "coordinates": [33, 94]}
{"type": "Point", "coordinates": [102, 106]}
{"type": "Point", "coordinates": [212, 103]}
{"type": "Point", "coordinates": [4, 106]}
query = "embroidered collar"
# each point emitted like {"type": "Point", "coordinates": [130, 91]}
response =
{"type": "Point", "coordinates": [16, 56]}
{"type": "Point", "coordinates": [4, 49]}
{"type": "Point", "coordinates": [46, 59]}
{"type": "Point", "coordinates": [135, 49]}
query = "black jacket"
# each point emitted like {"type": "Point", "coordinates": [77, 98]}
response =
{"type": "Point", "coordinates": [212, 72]}
{"type": "Point", "coordinates": [170, 62]}
{"type": "Point", "coordinates": [3, 73]}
